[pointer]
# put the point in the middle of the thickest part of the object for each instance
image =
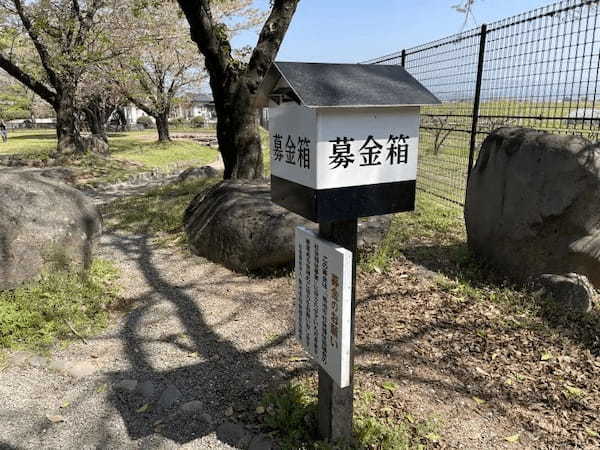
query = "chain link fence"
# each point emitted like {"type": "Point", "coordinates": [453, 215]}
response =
{"type": "Point", "coordinates": [539, 70]}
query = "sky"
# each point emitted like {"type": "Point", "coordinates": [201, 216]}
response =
{"type": "Point", "coordinates": [353, 31]}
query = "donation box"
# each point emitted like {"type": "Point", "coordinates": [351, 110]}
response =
{"type": "Point", "coordinates": [344, 138]}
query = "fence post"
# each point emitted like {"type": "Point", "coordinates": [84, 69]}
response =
{"type": "Point", "coordinates": [475, 119]}
{"type": "Point", "coordinates": [403, 57]}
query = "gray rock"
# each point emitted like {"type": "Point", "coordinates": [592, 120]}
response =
{"type": "Point", "coordinates": [571, 292]}
{"type": "Point", "coordinates": [199, 173]}
{"type": "Point", "coordinates": [42, 223]}
{"type": "Point", "coordinates": [59, 365]}
{"type": "Point", "coordinates": [126, 386]}
{"type": "Point", "coordinates": [533, 204]}
{"type": "Point", "coordinates": [81, 369]}
{"type": "Point", "coordinates": [39, 361]}
{"type": "Point", "coordinates": [147, 390]}
{"type": "Point", "coordinates": [62, 174]}
{"type": "Point", "coordinates": [372, 230]}
{"type": "Point", "coordinates": [20, 358]}
{"type": "Point", "coordinates": [236, 224]}
{"type": "Point", "coordinates": [261, 442]}
{"type": "Point", "coordinates": [192, 407]}
{"type": "Point", "coordinates": [206, 418]}
{"type": "Point", "coordinates": [234, 434]}
{"type": "Point", "coordinates": [170, 397]}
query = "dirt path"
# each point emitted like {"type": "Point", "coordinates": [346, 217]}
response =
{"type": "Point", "coordinates": [196, 333]}
{"type": "Point", "coordinates": [187, 366]}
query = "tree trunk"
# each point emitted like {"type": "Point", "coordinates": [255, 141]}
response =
{"type": "Point", "coordinates": [162, 126]}
{"type": "Point", "coordinates": [237, 132]}
{"type": "Point", "coordinates": [122, 119]}
{"type": "Point", "coordinates": [67, 130]}
{"type": "Point", "coordinates": [95, 118]}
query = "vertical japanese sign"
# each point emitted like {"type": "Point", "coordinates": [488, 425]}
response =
{"type": "Point", "coordinates": [323, 303]}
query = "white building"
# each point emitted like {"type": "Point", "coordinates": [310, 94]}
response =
{"type": "Point", "coordinates": [200, 105]}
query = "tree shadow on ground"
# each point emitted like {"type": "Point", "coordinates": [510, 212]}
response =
{"type": "Point", "coordinates": [457, 262]}
{"type": "Point", "coordinates": [225, 377]}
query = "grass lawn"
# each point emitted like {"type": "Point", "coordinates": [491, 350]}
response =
{"type": "Point", "coordinates": [35, 315]}
{"type": "Point", "coordinates": [131, 152]}
{"type": "Point", "coordinates": [36, 144]}
{"type": "Point", "coordinates": [158, 212]}
{"type": "Point", "coordinates": [141, 147]}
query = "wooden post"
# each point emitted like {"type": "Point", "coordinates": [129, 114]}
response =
{"type": "Point", "coordinates": [336, 404]}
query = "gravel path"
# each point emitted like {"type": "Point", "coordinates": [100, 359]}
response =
{"type": "Point", "coordinates": [187, 364]}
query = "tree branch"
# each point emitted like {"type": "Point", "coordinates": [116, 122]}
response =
{"type": "Point", "coordinates": [142, 106]}
{"type": "Point", "coordinates": [210, 38]}
{"type": "Point", "coordinates": [26, 79]}
{"type": "Point", "coordinates": [37, 42]}
{"type": "Point", "coordinates": [269, 41]}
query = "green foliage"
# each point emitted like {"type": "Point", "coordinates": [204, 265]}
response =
{"type": "Point", "coordinates": [374, 433]}
{"type": "Point", "coordinates": [197, 122]}
{"type": "Point", "coordinates": [35, 315]}
{"type": "Point", "coordinates": [291, 412]}
{"type": "Point", "coordinates": [179, 122]}
{"type": "Point", "coordinates": [15, 103]}
{"type": "Point", "coordinates": [159, 211]}
{"type": "Point", "coordinates": [145, 121]}
{"type": "Point", "coordinates": [291, 415]}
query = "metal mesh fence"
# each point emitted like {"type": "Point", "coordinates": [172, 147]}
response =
{"type": "Point", "coordinates": [539, 70]}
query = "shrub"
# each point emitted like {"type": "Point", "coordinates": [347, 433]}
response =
{"type": "Point", "coordinates": [198, 122]}
{"type": "Point", "coordinates": [145, 121]}
{"type": "Point", "coordinates": [179, 122]}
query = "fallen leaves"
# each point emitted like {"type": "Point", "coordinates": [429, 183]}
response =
{"type": "Point", "coordinates": [144, 408]}
{"type": "Point", "coordinates": [479, 401]}
{"type": "Point", "coordinates": [513, 438]}
{"type": "Point", "coordinates": [540, 377]}
{"type": "Point", "coordinates": [389, 386]}
{"type": "Point", "coordinates": [55, 418]}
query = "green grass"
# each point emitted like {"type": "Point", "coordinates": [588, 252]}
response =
{"type": "Point", "coordinates": [29, 143]}
{"type": "Point", "coordinates": [35, 315]}
{"type": "Point", "coordinates": [291, 415]}
{"type": "Point", "coordinates": [431, 222]}
{"type": "Point", "coordinates": [131, 152]}
{"type": "Point", "coordinates": [159, 211]}
{"type": "Point", "coordinates": [140, 147]}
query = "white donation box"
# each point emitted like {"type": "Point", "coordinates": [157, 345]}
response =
{"type": "Point", "coordinates": [344, 138]}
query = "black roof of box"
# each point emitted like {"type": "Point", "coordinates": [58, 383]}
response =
{"type": "Point", "coordinates": [318, 85]}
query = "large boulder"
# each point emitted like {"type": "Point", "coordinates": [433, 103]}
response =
{"type": "Point", "coordinates": [42, 221]}
{"type": "Point", "coordinates": [236, 224]}
{"type": "Point", "coordinates": [199, 173]}
{"type": "Point", "coordinates": [533, 204]}
{"type": "Point", "coordinates": [571, 292]}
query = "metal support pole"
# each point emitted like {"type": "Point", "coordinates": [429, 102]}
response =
{"type": "Point", "coordinates": [336, 404]}
{"type": "Point", "coordinates": [403, 58]}
{"type": "Point", "coordinates": [474, 123]}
